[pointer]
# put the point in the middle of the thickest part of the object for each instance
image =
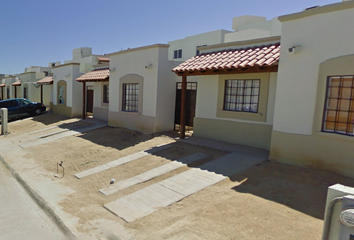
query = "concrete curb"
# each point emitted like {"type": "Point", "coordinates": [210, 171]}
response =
{"type": "Point", "coordinates": [41, 202]}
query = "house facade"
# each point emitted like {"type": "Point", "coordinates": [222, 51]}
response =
{"type": "Point", "coordinates": [142, 89]}
{"type": "Point", "coordinates": [314, 108]}
{"type": "Point", "coordinates": [236, 90]}
{"type": "Point", "coordinates": [67, 92]}
{"type": "Point", "coordinates": [31, 90]}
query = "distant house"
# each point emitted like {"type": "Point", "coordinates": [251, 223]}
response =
{"type": "Point", "coordinates": [99, 77]}
{"type": "Point", "coordinates": [314, 108]}
{"type": "Point", "coordinates": [68, 93]}
{"type": "Point", "coordinates": [30, 90]}
{"type": "Point", "coordinates": [10, 91]}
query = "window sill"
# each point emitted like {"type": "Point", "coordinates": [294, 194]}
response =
{"type": "Point", "coordinates": [248, 116]}
{"type": "Point", "coordinates": [336, 136]}
{"type": "Point", "coordinates": [132, 113]}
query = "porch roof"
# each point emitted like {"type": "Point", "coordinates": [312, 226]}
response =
{"type": "Point", "coordinates": [97, 75]}
{"type": "Point", "coordinates": [17, 83]}
{"type": "Point", "coordinates": [263, 58]}
{"type": "Point", "coordinates": [103, 59]}
{"type": "Point", "coordinates": [2, 85]}
{"type": "Point", "coordinates": [46, 80]}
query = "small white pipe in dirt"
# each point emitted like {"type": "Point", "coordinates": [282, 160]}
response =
{"type": "Point", "coordinates": [3, 112]}
{"type": "Point", "coordinates": [328, 217]}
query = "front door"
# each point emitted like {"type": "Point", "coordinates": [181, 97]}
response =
{"type": "Point", "coordinates": [89, 99]}
{"type": "Point", "coordinates": [191, 99]}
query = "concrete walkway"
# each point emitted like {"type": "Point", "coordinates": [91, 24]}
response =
{"type": "Point", "coordinates": [153, 173]}
{"type": "Point", "coordinates": [121, 161]}
{"type": "Point", "coordinates": [55, 133]}
{"type": "Point", "coordinates": [173, 189]}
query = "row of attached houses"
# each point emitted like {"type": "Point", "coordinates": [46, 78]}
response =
{"type": "Point", "coordinates": [285, 85]}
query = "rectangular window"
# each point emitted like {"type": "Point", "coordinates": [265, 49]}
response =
{"type": "Point", "coordinates": [8, 92]}
{"type": "Point", "coordinates": [61, 94]}
{"type": "Point", "coordinates": [106, 93]}
{"type": "Point", "coordinates": [242, 95]}
{"type": "Point", "coordinates": [177, 54]}
{"type": "Point", "coordinates": [130, 97]}
{"type": "Point", "coordinates": [339, 106]}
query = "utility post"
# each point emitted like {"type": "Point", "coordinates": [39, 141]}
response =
{"type": "Point", "coordinates": [3, 114]}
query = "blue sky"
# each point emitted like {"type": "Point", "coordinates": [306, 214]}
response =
{"type": "Point", "coordinates": [34, 33]}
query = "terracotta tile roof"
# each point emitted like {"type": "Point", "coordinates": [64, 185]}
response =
{"type": "Point", "coordinates": [17, 83]}
{"type": "Point", "coordinates": [103, 59]}
{"type": "Point", "coordinates": [95, 75]}
{"type": "Point", "coordinates": [2, 85]}
{"type": "Point", "coordinates": [259, 56]}
{"type": "Point", "coordinates": [46, 80]}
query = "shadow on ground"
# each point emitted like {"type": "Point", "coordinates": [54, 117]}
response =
{"type": "Point", "coordinates": [302, 189]}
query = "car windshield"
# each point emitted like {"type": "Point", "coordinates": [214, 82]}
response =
{"type": "Point", "coordinates": [25, 102]}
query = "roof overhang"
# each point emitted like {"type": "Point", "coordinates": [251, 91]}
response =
{"type": "Point", "coordinates": [2, 85]}
{"type": "Point", "coordinates": [45, 81]}
{"type": "Point", "coordinates": [17, 83]}
{"type": "Point", "coordinates": [255, 59]}
{"type": "Point", "coordinates": [97, 75]}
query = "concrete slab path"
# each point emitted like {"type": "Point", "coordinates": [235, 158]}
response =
{"type": "Point", "coordinates": [121, 161]}
{"type": "Point", "coordinates": [58, 134]}
{"type": "Point", "coordinates": [173, 189]}
{"type": "Point", "coordinates": [148, 175]}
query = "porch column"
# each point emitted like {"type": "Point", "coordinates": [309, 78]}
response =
{"type": "Point", "coordinates": [84, 100]}
{"type": "Point", "coordinates": [182, 125]}
{"type": "Point", "coordinates": [42, 93]}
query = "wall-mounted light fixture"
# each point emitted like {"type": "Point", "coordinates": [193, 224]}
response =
{"type": "Point", "coordinates": [294, 49]}
{"type": "Point", "coordinates": [148, 66]}
{"type": "Point", "coordinates": [112, 70]}
{"type": "Point", "coordinates": [68, 75]}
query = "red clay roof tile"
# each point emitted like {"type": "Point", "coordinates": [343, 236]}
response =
{"type": "Point", "coordinates": [230, 59]}
{"type": "Point", "coordinates": [94, 76]}
{"type": "Point", "coordinates": [103, 59]}
{"type": "Point", "coordinates": [17, 83]}
{"type": "Point", "coordinates": [46, 80]}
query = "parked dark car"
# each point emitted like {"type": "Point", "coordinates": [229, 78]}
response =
{"type": "Point", "coordinates": [21, 107]}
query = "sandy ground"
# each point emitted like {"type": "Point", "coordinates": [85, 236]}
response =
{"type": "Point", "coordinates": [268, 201]}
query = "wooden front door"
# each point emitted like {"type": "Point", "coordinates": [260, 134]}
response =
{"type": "Point", "coordinates": [89, 99]}
{"type": "Point", "coordinates": [191, 99]}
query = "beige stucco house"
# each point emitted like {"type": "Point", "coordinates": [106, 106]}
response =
{"type": "Point", "coordinates": [67, 92]}
{"type": "Point", "coordinates": [236, 90]}
{"type": "Point", "coordinates": [99, 94]}
{"type": "Point", "coordinates": [314, 108]}
{"type": "Point", "coordinates": [142, 89]}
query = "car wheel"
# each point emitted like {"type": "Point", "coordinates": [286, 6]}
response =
{"type": "Point", "coordinates": [38, 111]}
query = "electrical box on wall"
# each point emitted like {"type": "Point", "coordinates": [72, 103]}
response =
{"type": "Point", "coordinates": [346, 217]}
{"type": "Point", "coordinates": [339, 214]}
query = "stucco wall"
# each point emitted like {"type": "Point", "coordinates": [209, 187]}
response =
{"type": "Point", "coordinates": [134, 62]}
{"type": "Point", "coordinates": [189, 44]}
{"type": "Point", "coordinates": [149, 67]}
{"type": "Point", "coordinates": [320, 150]}
{"type": "Point", "coordinates": [69, 73]}
{"type": "Point", "coordinates": [252, 129]}
{"type": "Point", "coordinates": [321, 36]}
{"type": "Point", "coordinates": [166, 93]}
